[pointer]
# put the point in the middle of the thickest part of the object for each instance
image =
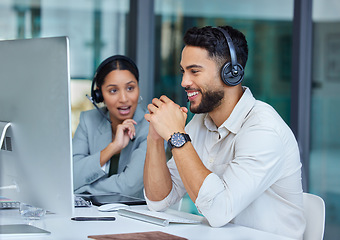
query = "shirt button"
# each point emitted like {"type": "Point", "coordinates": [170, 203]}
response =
{"type": "Point", "coordinates": [211, 160]}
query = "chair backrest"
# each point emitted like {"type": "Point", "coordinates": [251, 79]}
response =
{"type": "Point", "coordinates": [314, 210]}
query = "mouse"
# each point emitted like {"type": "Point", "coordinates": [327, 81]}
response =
{"type": "Point", "coordinates": [110, 207]}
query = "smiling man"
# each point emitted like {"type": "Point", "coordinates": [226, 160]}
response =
{"type": "Point", "coordinates": [237, 159]}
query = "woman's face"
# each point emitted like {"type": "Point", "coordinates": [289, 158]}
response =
{"type": "Point", "coordinates": [120, 92]}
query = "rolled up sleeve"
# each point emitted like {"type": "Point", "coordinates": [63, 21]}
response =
{"type": "Point", "coordinates": [213, 199]}
{"type": "Point", "coordinates": [176, 193]}
{"type": "Point", "coordinates": [160, 205]}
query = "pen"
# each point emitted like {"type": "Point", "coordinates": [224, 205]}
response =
{"type": "Point", "coordinates": [93, 218]}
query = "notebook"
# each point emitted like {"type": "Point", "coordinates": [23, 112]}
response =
{"type": "Point", "coordinates": [161, 218]}
{"type": "Point", "coordinates": [155, 235]}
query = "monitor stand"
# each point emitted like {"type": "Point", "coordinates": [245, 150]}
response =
{"type": "Point", "coordinates": [19, 230]}
{"type": "Point", "coordinates": [15, 229]}
{"type": "Point", "coordinates": [3, 128]}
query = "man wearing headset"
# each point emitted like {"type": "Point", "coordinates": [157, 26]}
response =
{"type": "Point", "coordinates": [237, 159]}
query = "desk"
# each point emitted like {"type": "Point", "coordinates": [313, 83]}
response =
{"type": "Point", "coordinates": [63, 228]}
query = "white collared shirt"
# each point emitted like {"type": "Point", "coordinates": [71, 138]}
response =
{"type": "Point", "coordinates": [256, 170]}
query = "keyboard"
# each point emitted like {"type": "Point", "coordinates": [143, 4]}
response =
{"type": "Point", "coordinates": [159, 218]}
{"type": "Point", "coordinates": [81, 202]}
{"type": "Point", "coordinates": [6, 203]}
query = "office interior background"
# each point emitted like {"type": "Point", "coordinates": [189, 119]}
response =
{"type": "Point", "coordinates": [294, 61]}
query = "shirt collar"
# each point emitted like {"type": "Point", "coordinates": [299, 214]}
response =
{"type": "Point", "coordinates": [237, 116]}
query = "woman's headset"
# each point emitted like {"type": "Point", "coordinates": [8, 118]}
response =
{"type": "Point", "coordinates": [97, 94]}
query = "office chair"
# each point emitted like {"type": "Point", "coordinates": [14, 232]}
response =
{"type": "Point", "coordinates": [314, 210]}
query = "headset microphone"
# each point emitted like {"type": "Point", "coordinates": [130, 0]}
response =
{"type": "Point", "coordinates": [101, 112]}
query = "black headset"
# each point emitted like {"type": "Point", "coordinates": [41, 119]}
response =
{"type": "Point", "coordinates": [231, 72]}
{"type": "Point", "coordinates": [97, 94]}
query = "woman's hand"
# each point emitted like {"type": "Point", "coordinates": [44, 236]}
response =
{"type": "Point", "coordinates": [124, 133]}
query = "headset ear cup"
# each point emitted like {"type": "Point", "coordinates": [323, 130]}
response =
{"type": "Point", "coordinates": [98, 96]}
{"type": "Point", "coordinates": [232, 77]}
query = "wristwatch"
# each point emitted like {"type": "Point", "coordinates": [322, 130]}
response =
{"type": "Point", "coordinates": [177, 140]}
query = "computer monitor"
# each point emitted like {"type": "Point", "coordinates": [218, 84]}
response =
{"type": "Point", "coordinates": [35, 99]}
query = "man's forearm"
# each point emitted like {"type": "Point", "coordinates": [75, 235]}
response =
{"type": "Point", "coordinates": [190, 168]}
{"type": "Point", "coordinates": [157, 179]}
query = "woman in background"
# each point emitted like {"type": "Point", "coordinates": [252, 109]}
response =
{"type": "Point", "coordinates": [109, 145]}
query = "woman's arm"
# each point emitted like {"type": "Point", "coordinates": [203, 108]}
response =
{"type": "Point", "coordinates": [86, 165]}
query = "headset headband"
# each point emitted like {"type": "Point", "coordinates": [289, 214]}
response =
{"type": "Point", "coordinates": [96, 94]}
{"type": "Point", "coordinates": [232, 51]}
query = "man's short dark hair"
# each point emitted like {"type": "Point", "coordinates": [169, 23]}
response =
{"type": "Point", "coordinates": [213, 40]}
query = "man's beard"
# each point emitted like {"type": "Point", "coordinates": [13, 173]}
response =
{"type": "Point", "coordinates": [210, 101]}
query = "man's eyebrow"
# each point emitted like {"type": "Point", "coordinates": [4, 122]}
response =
{"type": "Point", "coordinates": [192, 66]}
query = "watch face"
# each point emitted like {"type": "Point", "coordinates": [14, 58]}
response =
{"type": "Point", "coordinates": [177, 140]}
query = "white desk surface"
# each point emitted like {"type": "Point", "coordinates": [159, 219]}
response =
{"type": "Point", "coordinates": [64, 228]}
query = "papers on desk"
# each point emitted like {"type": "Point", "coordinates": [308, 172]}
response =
{"type": "Point", "coordinates": [161, 218]}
